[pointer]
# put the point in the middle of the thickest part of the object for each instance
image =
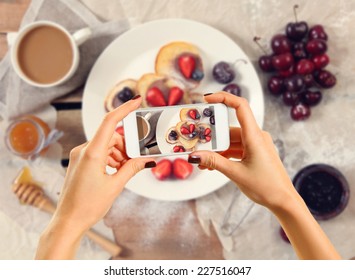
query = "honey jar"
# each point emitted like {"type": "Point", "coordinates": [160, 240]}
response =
{"type": "Point", "coordinates": [26, 136]}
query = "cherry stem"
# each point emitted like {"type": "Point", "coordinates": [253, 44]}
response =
{"type": "Point", "coordinates": [295, 7]}
{"type": "Point", "coordinates": [256, 40]}
{"type": "Point", "coordinates": [240, 60]}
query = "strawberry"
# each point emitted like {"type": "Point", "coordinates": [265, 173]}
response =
{"type": "Point", "coordinates": [120, 130]}
{"type": "Point", "coordinates": [208, 138]}
{"type": "Point", "coordinates": [191, 127]}
{"type": "Point", "coordinates": [181, 168]}
{"type": "Point", "coordinates": [175, 96]}
{"type": "Point", "coordinates": [184, 130]}
{"type": "Point", "coordinates": [194, 114]}
{"type": "Point", "coordinates": [178, 149]}
{"type": "Point", "coordinates": [207, 131]}
{"type": "Point", "coordinates": [163, 169]}
{"type": "Point", "coordinates": [155, 97]}
{"type": "Point", "coordinates": [187, 64]}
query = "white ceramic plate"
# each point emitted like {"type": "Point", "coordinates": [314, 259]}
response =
{"type": "Point", "coordinates": [132, 55]}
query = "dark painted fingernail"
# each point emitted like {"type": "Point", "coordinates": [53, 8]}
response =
{"type": "Point", "coordinates": [136, 97]}
{"type": "Point", "coordinates": [207, 94]}
{"type": "Point", "coordinates": [194, 159]}
{"type": "Point", "coordinates": [150, 164]}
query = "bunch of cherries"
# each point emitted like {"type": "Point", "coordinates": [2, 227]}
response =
{"type": "Point", "coordinates": [298, 66]}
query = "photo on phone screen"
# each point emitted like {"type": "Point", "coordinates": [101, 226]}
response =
{"type": "Point", "coordinates": [176, 130]}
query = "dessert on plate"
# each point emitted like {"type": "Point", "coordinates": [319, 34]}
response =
{"type": "Point", "coordinates": [182, 61]}
{"type": "Point", "coordinates": [158, 90]}
{"type": "Point", "coordinates": [120, 93]}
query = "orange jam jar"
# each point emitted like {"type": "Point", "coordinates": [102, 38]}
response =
{"type": "Point", "coordinates": [26, 137]}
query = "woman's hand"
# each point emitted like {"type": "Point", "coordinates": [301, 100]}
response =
{"type": "Point", "coordinates": [89, 191]}
{"type": "Point", "coordinates": [260, 173]}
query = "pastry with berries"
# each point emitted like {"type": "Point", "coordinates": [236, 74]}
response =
{"type": "Point", "coordinates": [182, 61]}
{"type": "Point", "coordinates": [120, 93]}
{"type": "Point", "coordinates": [190, 114]}
{"type": "Point", "coordinates": [158, 90]}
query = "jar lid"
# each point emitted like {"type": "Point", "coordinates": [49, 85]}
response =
{"type": "Point", "coordinates": [324, 190]}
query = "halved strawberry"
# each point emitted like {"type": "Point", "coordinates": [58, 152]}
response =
{"type": "Point", "coordinates": [187, 64]}
{"type": "Point", "coordinates": [191, 127]}
{"type": "Point", "coordinates": [184, 130]}
{"type": "Point", "coordinates": [181, 168]}
{"type": "Point", "coordinates": [155, 97]}
{"type": "Point", "coordinates": [208, 138]}
{"type": "Point", "coordinates": [179, 149]}
{"type": "Point", "coordinates": [163, 169]}
{"type": "Point", "coordinates": [194, 114]}
{"type": "Point", "coordinates": [207, 131]}
{"type": "Point", "coordinates": [175, 96]}
{"type": "Point", "coordinates": [120, 130]}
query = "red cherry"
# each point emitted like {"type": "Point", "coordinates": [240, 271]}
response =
{"type": "Point", "coordinates": [304, 67]}
{"type": "Point", "coordinates": [325, 79]}
{"type": "Point", "coordinates": [155, 97]}
{"type": "Point", "coordinates": [287, 73]}
{"type": "Point", "coordinates": [299, 50]}
{"type": "Point", "coordinates": [312, 98]}
{"type": "Point", "coordinates": [280, 44]}
{"type": "Point", "coordinates": [265, 63]}
{"type": "Point", "coordinates": [290, 98]}
{"type": "Point", "coordinates": [282, 61]}
{"type": "Point", "coordinates": [163, 169]}
{"type": "Point", "coordinates": [308, 81]}
{"type": "Point", "coordinates": [175, 96]}
{"type": "Point", "coordinates": [296, 31]}
{"type": "Point", "coordinates": [276, 85]}
{"type": "Point", "coordinates": [182, 169]}
{"type": "Point", "coordinates": [187, 64]}
{"type": "Point", "coordinates": [300, 112]}
{"type": "Point", "coordinates": [320, 61]}
{"type": "Point", "coordinates": [317, 32]}
{"type": "Point", "coordinates": [316, 46]}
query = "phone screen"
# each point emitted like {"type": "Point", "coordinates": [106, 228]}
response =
{"type": "Point", "coordinates": [176, 129]}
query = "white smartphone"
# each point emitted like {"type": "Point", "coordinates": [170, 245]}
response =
{"type": "Point", "coordinates": [173, 130]}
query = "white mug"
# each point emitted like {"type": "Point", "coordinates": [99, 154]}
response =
{"type": "Point", "coordinates": [75, 40]}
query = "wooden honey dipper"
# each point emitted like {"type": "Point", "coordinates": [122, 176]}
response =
{"type": "Point", "coordinates": [29, 192]}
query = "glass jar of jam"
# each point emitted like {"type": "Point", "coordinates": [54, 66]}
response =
{"type": "Point", "coordinates": [26, 136]}
{"type": "Point", "coordinates": [324, 190]}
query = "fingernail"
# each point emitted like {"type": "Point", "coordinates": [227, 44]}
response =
{"type": "Point", "coordinates": [150, 164]}
{"type": "Point", "coordinates": [207, 94]}
{"type": "Point", "coordinates": [194, 159]}
{"type": "Point", "coordinates": [136, 97]}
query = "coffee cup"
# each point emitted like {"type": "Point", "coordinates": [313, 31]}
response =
{"type": "Point", "coordinates": [44, 54]}
{"type": "Point", "coordinates": [144, 126]}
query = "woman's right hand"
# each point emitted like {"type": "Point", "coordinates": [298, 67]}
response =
{"type": "Point", "coordinates": [260, 173]}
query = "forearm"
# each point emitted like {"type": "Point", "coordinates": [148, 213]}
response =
{"type": "Point", "coordinates": [306, 236]}
{"type": "Point", "coordinates": [60, 240]}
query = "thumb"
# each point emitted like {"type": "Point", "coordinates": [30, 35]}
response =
{"type": "Point", "coordinates": [215, 161]}
{"type": "Point", "coordinates": [132, 167]}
